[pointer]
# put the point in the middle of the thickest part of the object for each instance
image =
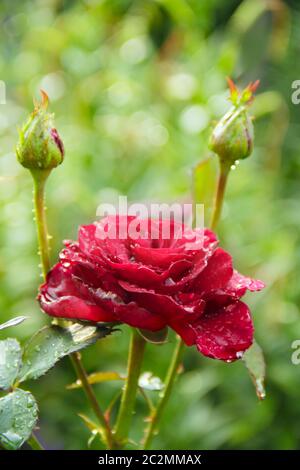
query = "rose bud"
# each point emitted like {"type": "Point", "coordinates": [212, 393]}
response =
{"type": "Point", "coordinates": [232, 138]}
{"type": "Point", "coordinates": [40, 147]}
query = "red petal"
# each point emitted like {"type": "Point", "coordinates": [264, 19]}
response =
{"type": "Point", "coordinates": [134, 315]}
{"type": "Point", "coordinates": [177, 315]}
{"type": "Point", "coordinates": [60, 297]}
{"type": "Point", "coordinates": [66, 295]}
{"type": "Point", "coordinates": [217, 273]}
{"type": "Point", "coordinates": [238, 285]}
{"type": "Point", "coordinates": [226, 333]}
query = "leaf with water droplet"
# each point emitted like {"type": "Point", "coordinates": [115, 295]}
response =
{"type": "Point", "coordinates": [255, 363]}
{"type": "Point", "coordinates": [18, 416]}
{"type": "Point", "coordinates": [148, 381]}
{"type": "Point", "coordinates": [13, 322]}
{"type": "Point", "coordinates": [52, 343]}
{"type": "Point", "coordinates": [10, 362]}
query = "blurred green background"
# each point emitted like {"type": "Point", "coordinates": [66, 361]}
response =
{"type": "Point", "coordinates": [136, 87]}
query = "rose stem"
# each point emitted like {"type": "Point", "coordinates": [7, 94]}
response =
{"type": "Point", "coordinates": [218, 203]}
{"type": "Point", "coordinates": [39, 178]}
{"type": "Point", "coordinates": [169, 382]}
{"type": "Point", "coordinates": [135, 359]}
{"type": "Point", "coordinates": [175, 361]}
{"type": "Point", "coordinates": [34, 443]}
{"type": "Point", "coordinates": [39, 181]}
{"type": "Point", "coordinates": [82, 375]}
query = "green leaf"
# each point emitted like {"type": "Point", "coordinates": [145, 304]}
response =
{"type": "Point", "coordinates": [155, 337]}
{"type": "Point", "coordinates": [97, 377]}
{"type": "Point", "coordinates": [13, 322]}
{"type": "Point", "coordinates": [255, 363]}
{"type": "Point", "coordinates": [205, 176]}
{"type": "Point", "coordinates": [18, 416]}
{"type": "Point", "coordinates": [10, 362]}
{"type": "Point", "coordinates": [52, 343]}
{"type": "Point", "coordinates": [93, 436]}
{"type": "Point", "coordinates": [148, 381]}
{"type": "Point", "coordinates": [93, 428]}
{"type": "Point", "coordinates": [91, 425]}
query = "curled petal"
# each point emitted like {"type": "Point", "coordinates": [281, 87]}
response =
{"type": "Point", "coordinates": [217, 273]}
{"type": "Point", "coordinates": [226, 333]}
{"type": "Point", "coordinates": [239, 284]}
{"type": "Point", "coordinates": [60, 297]}
{"type": "Point", "coordinates": [177, 314]}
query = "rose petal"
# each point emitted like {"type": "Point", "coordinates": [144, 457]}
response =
{"type": "Point", "coordinates": [238, 285]}
{"type": "Point", "coordinates": [60, 297]}
{"type": "Point", "coordinates": [177, 315]}
{"type": "Point", "coordinates": [225, 333]}
{"type": "Point", "coordinates": [67, 296]}
{"type": "Point", "coordinates": [217, 273]}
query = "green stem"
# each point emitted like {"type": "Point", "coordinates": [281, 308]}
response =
{"type": "Point", "coordinates": [39, 182]}
{"type": "Point", "coordinates": [135, 359]}
{"type": "Point", "coordinates": [82, 375]}
{"type": "Point", "coordinates": [39, 179]}
{"type": "Point", "coordinates": [223, 176]}
{"type": "Point", "coordinates": [34, 443]}
{"type": "Point", "coordinates": [169, 383]}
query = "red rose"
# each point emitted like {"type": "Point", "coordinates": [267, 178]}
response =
{"type": "Point", "coordinates": [134, 271]}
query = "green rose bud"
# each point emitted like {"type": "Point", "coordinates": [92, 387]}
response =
{"type": "Point", "coordinates": [232, 138]}
{"type": "Point", "coordinates": [40, 147]}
